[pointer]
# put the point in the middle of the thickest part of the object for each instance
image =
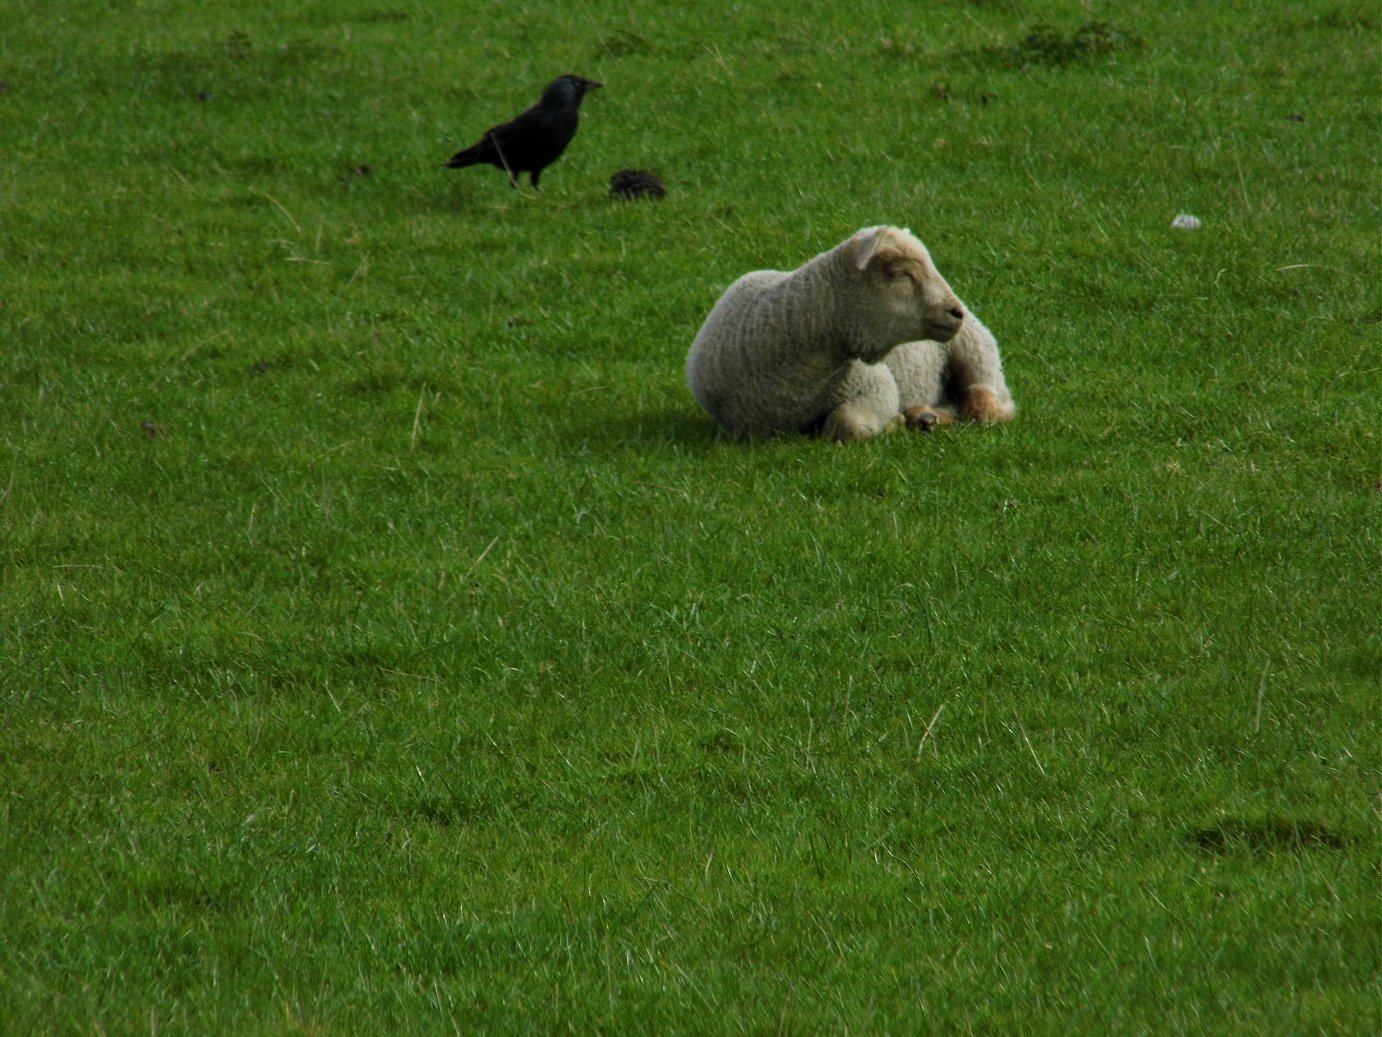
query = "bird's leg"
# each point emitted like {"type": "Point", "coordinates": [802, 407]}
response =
{"type": "Point", "coordinates": [513, 180]}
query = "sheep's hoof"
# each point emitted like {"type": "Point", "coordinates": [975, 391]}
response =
{"type": "Point", "coordinates": [924, 418]}
{"type": "Point", "coordinates": [921, 418]}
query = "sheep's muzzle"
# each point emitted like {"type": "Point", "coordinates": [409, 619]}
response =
{"type": "Point", "coordinates": [943, 327]}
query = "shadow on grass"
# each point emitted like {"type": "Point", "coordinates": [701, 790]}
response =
{"type": "Point", "coordinates": [1264, 836]}
{"type": "Point", "coordinates": [682, 430]}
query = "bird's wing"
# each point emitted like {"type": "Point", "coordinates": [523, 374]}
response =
{"type": "Point", "coordinates": [520, 124]}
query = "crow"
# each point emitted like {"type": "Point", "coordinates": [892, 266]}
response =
{"type": "Point", "coordinates": [534, 140]}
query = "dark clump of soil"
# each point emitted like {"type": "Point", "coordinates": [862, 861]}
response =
{"type": "Point", "coordinates": [1046, 45]}
{"type": "Point", "coordinates": [629, 184]}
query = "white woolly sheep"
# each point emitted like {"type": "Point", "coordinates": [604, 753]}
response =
{"type": "Point", "coordinates": [859, 339]}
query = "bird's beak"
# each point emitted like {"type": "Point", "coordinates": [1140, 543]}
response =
{"type": "Point", "coordinates": [590, 84]}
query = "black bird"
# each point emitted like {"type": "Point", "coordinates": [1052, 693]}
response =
{"type": "Point", "coordinates": [535, 139]}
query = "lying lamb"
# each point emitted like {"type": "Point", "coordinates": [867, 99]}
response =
{"type": "Point", "coordinates": [832, 348]}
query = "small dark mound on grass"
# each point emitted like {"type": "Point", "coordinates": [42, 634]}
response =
{"type": "Point", "coordinates": [1267, 836]}
{"type": "Point", "coordinates": [629, 184]}
{"type": "Point", "coordinates": [1047, 45]}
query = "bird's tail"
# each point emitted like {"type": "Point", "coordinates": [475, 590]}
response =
{"type": "Point", "coordinates": [468, 157]}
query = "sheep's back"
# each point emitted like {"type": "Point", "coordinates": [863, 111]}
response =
{"type": "Point", "coordinates": [766, 357]}
{"type": "Point", "coordinates": [721, 356]}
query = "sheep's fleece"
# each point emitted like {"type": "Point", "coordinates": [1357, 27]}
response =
{"type": "Point", "coordinates": [846, 346]}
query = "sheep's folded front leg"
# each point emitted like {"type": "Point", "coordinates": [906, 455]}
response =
{"type": "Point", "coordinates": [981, 404]}
{"type": "Point", "coordinates": [851, 422]}
{"type": "Point", "coordinates": [862, 405]}
{"type": "Point", "coordinates": [978, 403]}
{"type": "Point", "coordinates": [976, 375]}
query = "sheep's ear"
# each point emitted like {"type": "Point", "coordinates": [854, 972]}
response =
{"type": "Point", "coordinates": [864, 245]}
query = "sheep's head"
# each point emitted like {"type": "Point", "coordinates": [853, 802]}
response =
{"type": "Point", "coordinates": [902, 295]}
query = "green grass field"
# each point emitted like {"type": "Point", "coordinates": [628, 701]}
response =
{"type": "Point", "coordinates": [390, 645]}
